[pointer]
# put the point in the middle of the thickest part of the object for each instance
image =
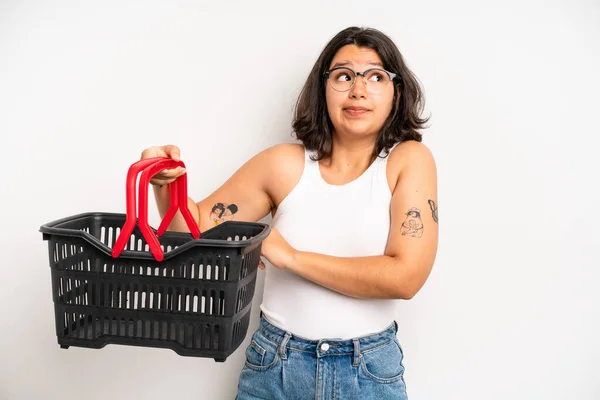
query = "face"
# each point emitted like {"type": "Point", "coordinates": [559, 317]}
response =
{"type": "Point", "coordinates": [358, 112]}
{"type": "Point", "coordinates": [215, 214]}
{"type": "Point", "coordinates": [227, 215]}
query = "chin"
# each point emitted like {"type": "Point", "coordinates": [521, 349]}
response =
{"type": "Point", "coordinates": [360, 131]}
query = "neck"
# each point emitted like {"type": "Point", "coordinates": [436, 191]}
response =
{"type": "Point", "coordinates": [351, 155]}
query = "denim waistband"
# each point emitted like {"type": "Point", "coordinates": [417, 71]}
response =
{"type": "Point", "coordinates": [325, 347]}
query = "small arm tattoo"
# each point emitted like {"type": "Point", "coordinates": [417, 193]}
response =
{"type": "Point", "coordinates": [222, 212]}
{"type": "Point", "coordinates": [434, 210]}
{"type": "Point", "coordinates": [413, 225]}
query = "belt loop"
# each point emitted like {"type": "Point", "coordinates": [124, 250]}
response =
{"type": "Point", "coordinates": [356, 357]}
{"type": "Point", "coordinates": [283, 345]}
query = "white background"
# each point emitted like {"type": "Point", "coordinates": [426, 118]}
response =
{"type": "Point", "coordinates": [511, 310]}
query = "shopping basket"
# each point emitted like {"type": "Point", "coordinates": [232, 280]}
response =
{"type": "Point", "coordinates": [116, 280]}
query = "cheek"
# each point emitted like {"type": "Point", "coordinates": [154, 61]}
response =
{"type": "Point", "coordinates": [333, 100]}
{"type": "Point", "coordinates": [386, 105]}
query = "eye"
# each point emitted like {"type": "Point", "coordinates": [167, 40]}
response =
{"type": "Point", "coordinates": [377, 76]}
{"type": "Point", "coordinates": [342, 77]}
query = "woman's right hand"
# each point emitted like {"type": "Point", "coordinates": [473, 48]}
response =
{"type": "Point", "coordinates": [168, 175]}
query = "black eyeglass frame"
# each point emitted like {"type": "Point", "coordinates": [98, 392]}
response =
{"type": "Point", "coordinates": [391, 75]}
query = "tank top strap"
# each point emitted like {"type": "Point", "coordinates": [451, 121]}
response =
{"type": "Point", "coordinates": [307, 154]}
{"type": "Point", "coordinates": [381, 168]}
{"type": "Point", "coordinates": [311, 168]}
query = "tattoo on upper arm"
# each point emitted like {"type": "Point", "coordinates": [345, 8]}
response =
{"type": "Point", "coordinates": [222, 212]}
{"type": "Point", "coordinates": [413, 225]}
{"type": "Point", "coordinates": [434, 210]}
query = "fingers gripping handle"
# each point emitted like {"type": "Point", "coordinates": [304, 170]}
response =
{"type": "Point", "coordinates": [149, 167]}
{"type": "Point", "coordinates": [177, 202]}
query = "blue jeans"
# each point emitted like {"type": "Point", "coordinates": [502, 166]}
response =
{"type": "Point", "coordinates": [280, 365]}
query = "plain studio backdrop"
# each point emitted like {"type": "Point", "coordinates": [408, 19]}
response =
{"type": "Point", "coordinates": [511, 309]}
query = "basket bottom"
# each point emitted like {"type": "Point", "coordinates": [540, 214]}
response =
{"type": "Point", "coordinates": [185, 337]}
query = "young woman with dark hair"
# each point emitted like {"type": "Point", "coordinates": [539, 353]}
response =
{"type": "Point", "coordinates": [354, 229]}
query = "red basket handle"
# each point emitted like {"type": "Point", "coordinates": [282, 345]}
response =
{"type": "Point", "coordinates": [179, 200]}
{"type": "Point", "coordinates": [131, 215]}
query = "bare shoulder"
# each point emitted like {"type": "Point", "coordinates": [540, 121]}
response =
{"type": "Point", "coordinates": [408, 157]}
{"type": "Point", "coordinates": [286, 153]}
{"type": "Point", "coordinates": [285, 158]}
{"type": "Point", "coordinates": [286, 164]}
{"type": "Point", "coordinates": [412, 151]}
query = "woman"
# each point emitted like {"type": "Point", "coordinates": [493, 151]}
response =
{"type": "Point", "coordinates": [354, 227]}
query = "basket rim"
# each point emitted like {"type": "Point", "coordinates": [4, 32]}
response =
{"type": "Point", "coordinates": [53, 228]}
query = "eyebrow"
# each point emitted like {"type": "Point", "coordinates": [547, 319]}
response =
{"type": "Point", "coordinates": [346, 63]}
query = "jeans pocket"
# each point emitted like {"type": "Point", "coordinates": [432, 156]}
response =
{"type": "Point", "coordinates": [383, 363]}
{"type": "Point", "coordinates": [260, 353]}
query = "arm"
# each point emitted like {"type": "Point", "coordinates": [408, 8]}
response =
{"type": "Point", "coordinates": [243, 197]}
{"type": "Point", "coordinates": [412, 244]}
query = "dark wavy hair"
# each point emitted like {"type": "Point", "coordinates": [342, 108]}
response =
{"type": "Point", "coordinates": [311, 122]}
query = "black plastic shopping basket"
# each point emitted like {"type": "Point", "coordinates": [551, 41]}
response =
{"type": "Point", "coordinates": [116, 280]}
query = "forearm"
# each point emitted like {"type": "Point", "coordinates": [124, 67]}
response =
{"type": "Point", "coordinates": [163, 201]}
{"type": "Point", "coordinates": [381, 277]}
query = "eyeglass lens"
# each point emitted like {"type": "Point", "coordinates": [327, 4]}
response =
{"type": "Point", "coordinates": [342, 80]}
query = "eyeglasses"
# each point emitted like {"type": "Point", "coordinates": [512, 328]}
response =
{"type": "Point", "coordinates": [343, 79]}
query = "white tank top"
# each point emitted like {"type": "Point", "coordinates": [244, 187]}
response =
{"type": "Point", "coordinates": [351, 220]}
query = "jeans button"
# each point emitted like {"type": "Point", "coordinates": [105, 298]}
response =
{"type": "Point", "coordinates": [325, 346]}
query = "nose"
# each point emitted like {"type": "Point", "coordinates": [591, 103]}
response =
{"type": "Point", "coordinates": [359, 89]}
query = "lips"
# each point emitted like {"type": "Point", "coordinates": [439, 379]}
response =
{"type": "Point", "coordinates": [356, 111]}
